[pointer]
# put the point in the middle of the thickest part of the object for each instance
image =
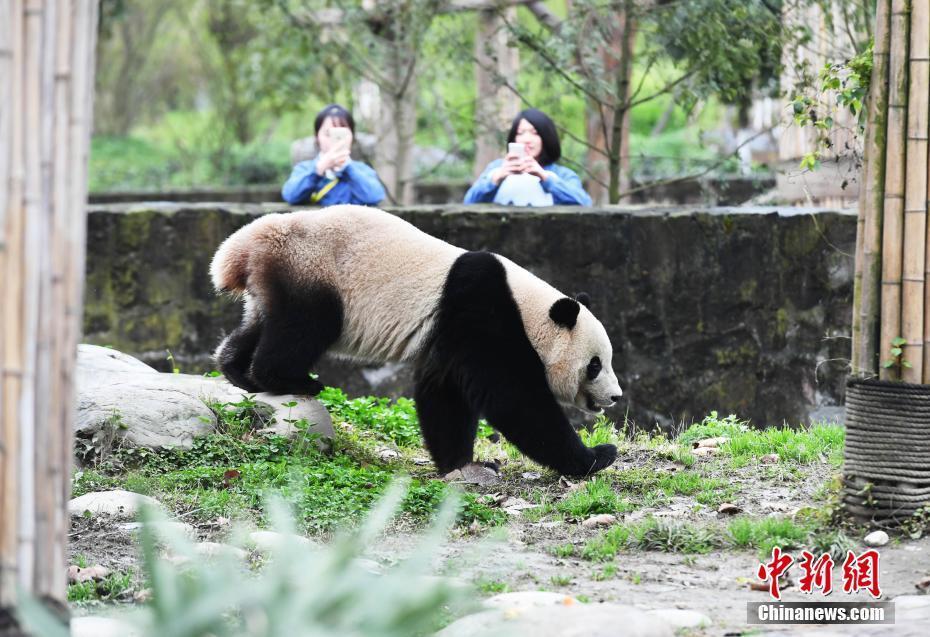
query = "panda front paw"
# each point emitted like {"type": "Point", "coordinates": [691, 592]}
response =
{"type": "Point", "coordinates": [604, 456]}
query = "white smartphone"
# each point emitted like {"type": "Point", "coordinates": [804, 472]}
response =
{"type": "Point", "coordinates": [516, 149]}
{"type": "Point", "coordinates": [339, 136]}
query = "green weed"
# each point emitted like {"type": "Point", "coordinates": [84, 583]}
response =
{"type": "Point", "coordinates": [594, 496]}
{"type": "Point", "coordinates": [112, 587]}
{"type": "Point", "coordinates": [801, 445]}
{"type": "Point", "coordinates": [395, 421]}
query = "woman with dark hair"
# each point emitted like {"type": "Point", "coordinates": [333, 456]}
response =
{"type": "Point", "coordinates": [333, 177]}
{"type": "Point", "coordinates": [528, 175]}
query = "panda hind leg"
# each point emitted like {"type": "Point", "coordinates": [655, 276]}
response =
{"type": "Point", "coordinates": [448, 423]}
{"type": "Point", "coordinates": [299, 326]}
{"type": "Point", "coordinates": [234, 355]}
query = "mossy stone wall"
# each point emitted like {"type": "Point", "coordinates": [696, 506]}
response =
{"type": "Point", "coordinates": [742, 310]}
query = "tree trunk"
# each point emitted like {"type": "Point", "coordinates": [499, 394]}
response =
{"type": "Point", "coordinates": [47, 52]}
{"type": "Point", "coordinates": [618, 161]}
{"type": "Point", "coordinates": [394, 151]}
{"type": "Point", "coordinates": [495, 105]}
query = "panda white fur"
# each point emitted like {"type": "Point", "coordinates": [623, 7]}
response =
{"type": "Point", "coordinates": [486, 337]}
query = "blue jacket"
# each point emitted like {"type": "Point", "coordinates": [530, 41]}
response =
{"type": "Point", "coordinates": [358, 184]}
{"type": "Point", "coordinates": [565, 186]}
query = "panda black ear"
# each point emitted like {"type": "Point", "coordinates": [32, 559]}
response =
{"type": "Point", "coordinates": [565, 312]}
{"type": "Point", "coordinates": [584, 299]}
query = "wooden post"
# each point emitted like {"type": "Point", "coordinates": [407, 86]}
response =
{"type": "Point", "coordinates": [893, 228]}
{"type": "Point", "coordinates": [46, 62]}
{"type": "Point", "coordinates": [871, 207]}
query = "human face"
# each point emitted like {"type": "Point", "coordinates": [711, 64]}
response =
{"type": "Point", "coordinates": [527, 135]}
{"type": "Point", "coordinates": [327, 140]}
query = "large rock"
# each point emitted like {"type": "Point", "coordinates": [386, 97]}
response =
{"type": "Point", "coordinates": [561, 620]}
{"type": "Point", "coordinates": [121, 398]}
{"type": "Point", "coordinates": [116, 503]}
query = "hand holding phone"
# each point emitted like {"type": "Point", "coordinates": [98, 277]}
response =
{"type": "Point", "coordinates": [516, 150]}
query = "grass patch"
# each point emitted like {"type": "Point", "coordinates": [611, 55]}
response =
{"type": "Point", "coordinates": [651, 534]}
{"type": "Point", "coordinates": [395, 421]}
{"type": "Point", "coordinates": [231, 473]}
{"type": "Point", "coordinates": [114, 586]}
{"type": "Point", "coordinates": [593, 497]}
{"type": "Point", "coordinates": [801, 445]}
{"type": "Point", "coordinates": [656, 534]}
{"type": "Point", "coordinates": [492, 586]}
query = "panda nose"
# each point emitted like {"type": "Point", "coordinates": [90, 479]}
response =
{"type": "Point", "coordinates": [615, 398]}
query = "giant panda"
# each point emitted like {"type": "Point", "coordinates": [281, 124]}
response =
{"type": "Point", "coordinates": [486, 337]}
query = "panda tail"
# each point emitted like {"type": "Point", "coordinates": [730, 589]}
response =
{"type": "Point", "coordinates": [230, 267]}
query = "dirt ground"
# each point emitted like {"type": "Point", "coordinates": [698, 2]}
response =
{"type": "Point", "coordinates": [521, 556]}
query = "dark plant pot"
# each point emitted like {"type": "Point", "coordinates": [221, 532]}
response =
{"type": "Point", "coordinates": [886, 465]}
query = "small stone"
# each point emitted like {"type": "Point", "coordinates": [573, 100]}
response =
{"type": "Point", "coordinates": [163, 528]}
{"type": "Point", "coordinates": [386, 454]}
{"type": "Point", "coordinates": [524, 600]}
{"type": "Point", "coordinates": [143, 596]}
{"type": "Point", "coordinates": [474, 473]}
{"type": "Point", "coordinates": [701, 452]}
{"type": "Point", "coordinates": [118, 503]}
{"type": "Point", "coordinates": [78, 575]}
{"type": "Point", "coordinates": [728, 508]}
{"type": "Point", "coordinates": [680, 618]}
{"type": "Point", "coordinates": [101, 627]}
{"type": "Point", "coordinates": [770, 458]}
{"type": "Point", "coordinates": [515, 506]}
{"type": "Point", "coordinates": [923, 585]}
{"type": "Point", "coordinates": [710, 443]}
{"type": "Point", "coordinates": [531, 475]}
{"type": "Point", "coordinates": [604, 519]}
{"type": "Point", "coordinates": [216, 549]}
{"type": "Point", "coordinates": [368, 565]}
{"type": "Point", "coordinates": [421, 461]}
{"type": "Point", "coordinates": [268, 541]}
{"type": "Point", "coordinates": [876, 538]}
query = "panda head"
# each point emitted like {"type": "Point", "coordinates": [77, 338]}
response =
{"type": "Point", "coordinates": [579, 357]}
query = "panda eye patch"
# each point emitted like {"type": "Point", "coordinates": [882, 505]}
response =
{"type": "Point", "coordinates": [594, 368]}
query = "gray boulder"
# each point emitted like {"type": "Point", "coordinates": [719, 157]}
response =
{"type": "Point", "coordinates": [560, 620]}
{"type": "Point", "coordinates": [122, 399]}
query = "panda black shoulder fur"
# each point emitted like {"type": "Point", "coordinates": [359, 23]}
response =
{"type": "Point", "coordinates": [486, 337]}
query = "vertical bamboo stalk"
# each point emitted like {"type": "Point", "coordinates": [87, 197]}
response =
{"type": "Point", "coordinates": [893, 227]}
{"type": "Point", "coordinates": [48, 47]}
{"type": "Point", "coordinates": [10, 326]}
{"type": "Point", "coordinates": [914, 319]}
{"type": "Point", "coordinates": [871, 201]}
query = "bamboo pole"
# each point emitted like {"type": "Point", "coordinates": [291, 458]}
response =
{"type": "Point", "coordinates": [11, 281]}
{"type": "Point", "coordinates": [914, 319]}
{"type": "Point", "coordinates": [46, 52]}
{"type": "Point", "coordinates": [871, 201]}
{"type": "Point", "coordinates": [893, 227]}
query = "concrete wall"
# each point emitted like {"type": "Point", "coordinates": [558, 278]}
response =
{"type": "Point", "coordinates": [740, 310]}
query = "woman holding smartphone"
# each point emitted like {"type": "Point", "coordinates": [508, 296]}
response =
{"type": "Point", "coordinates": [529, 175]}
{"type": "Point", "coordinates": [333, 177]}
